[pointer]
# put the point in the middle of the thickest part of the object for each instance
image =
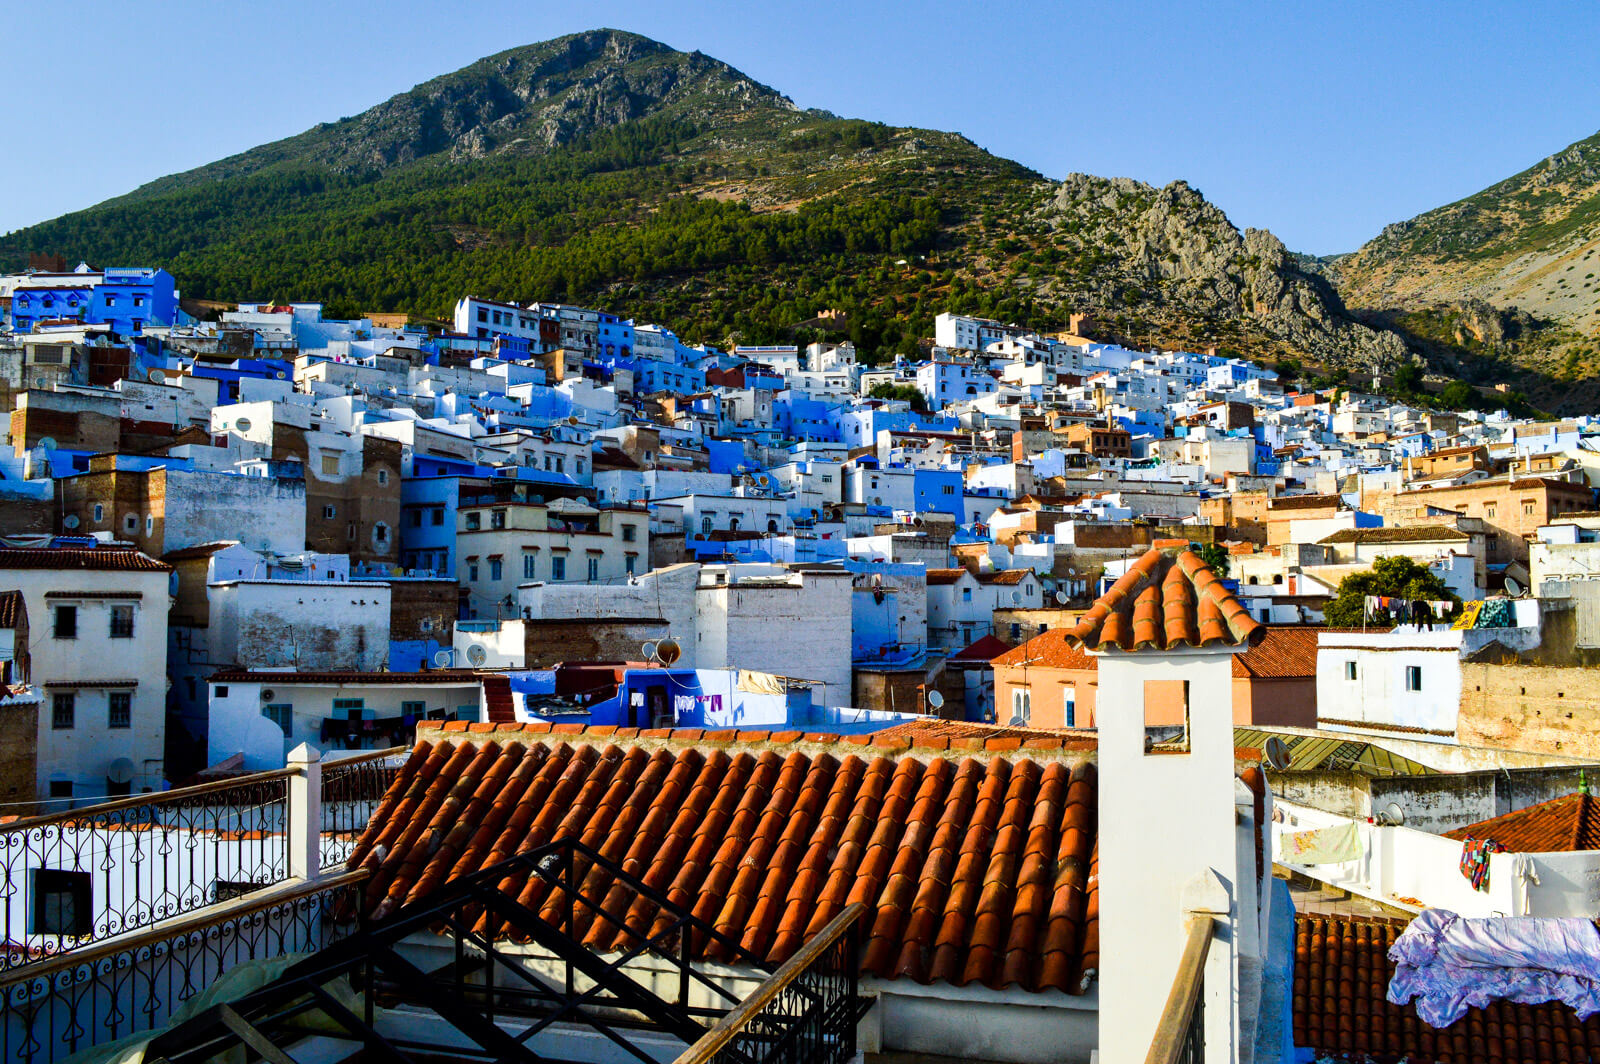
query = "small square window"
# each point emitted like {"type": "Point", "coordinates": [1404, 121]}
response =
{"type": "Point", "coordinates": [1349, 670]}
{"type": "Point", "coordinates": [630, 533]}
{"type": "Point", "coordinates": [474, 521]}
{"type": "Point", "coordinates": [62, 903]}
{"type": "Point", "coordinates": [558, 568]}
{"type": "Point", "coordinates": [383, 476]}
{"type": "Point", "coordinates": [120, 709]}
{"type": "Point", "coordinates": [1413, 677]}
{"type": "Point", "coordinates": [329, 513]}
{"type": "Point", "coordinates": [66, 622]}
{"type": "Point", "coordinates": [281, 714]}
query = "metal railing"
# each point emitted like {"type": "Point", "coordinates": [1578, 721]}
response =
{"type": "Point", "coordinates": [805, 1011]}
{"type": "Point", "coordinates": [77, 877]}
{"type": "Point", "coordinates": [143, 981]}
{"type": "Point", "coordinates": [1181, 1035]}
{"type": "Point", "coordinates": [352, 787]}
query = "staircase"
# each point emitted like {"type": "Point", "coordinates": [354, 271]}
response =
{"type": "Point", "coordinates": [497, 697]}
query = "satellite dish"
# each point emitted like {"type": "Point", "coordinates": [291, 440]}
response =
{"type": "Point", "coordinates": [477, 655]}
{"type": "Point", "coordinates": [268, 694]}
{"type": "Point", "coordinates": [1392, 816]}
{"type": "Point", "coordinates": [649, 651]}
{"type": "Point", "coordinates": [1062, 597]}
{"type": "Point", "coordinates": [668, 651]}
{"type": "Point", "coordinates": [157, 377]}
{"type": "Point", "coordinates": [1277, 754]}
{"type": "Point", "coordinates": [1514, 587]}
{"type": "Point", "coordinates": [120, 770]}
{"type": "Point", "coordinates": [444, 658]}
{"type": "Point", "coordinates": [935, 699]}
{"type": "Point", "coordinates": [70, 521]}
{"type": "Point", "coordinates": [1016, 597]}
{"type": "Point", "coordinates": [47, 443]}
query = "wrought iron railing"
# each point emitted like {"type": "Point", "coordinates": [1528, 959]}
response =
{"type": "Point", "coordinates": [143, 981]}
{"type": "Point", "coordinates": [75, 878]}
{"type": "Point", "coordinates": [352, 787]}
{"type": "Point", "coordinates": [1181, 1036]}
{"type": "Point", "coordinates": [805, 1012]}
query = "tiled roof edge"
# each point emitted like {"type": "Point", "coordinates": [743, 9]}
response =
{"type": "Point", "coordinates": [1044, 748]}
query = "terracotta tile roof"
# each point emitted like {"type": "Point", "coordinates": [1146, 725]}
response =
{"type": "Point", "coordinates": [12, 608]}
{"type": "Point", "coordinates": [1407, 534]}
{"type": "Point", "coordinates": [1163, 601]}
{"type": "Point", "coordinates": [973, 870]}
{"type": "Point", "coordinates": [985, 649]}
{"type": "Point", "coordinates": [1341, 979]}
{"type": "Point", "coordinates": [1557, 826]}
{"type": "Point", "coordinates": [1283, 653]}
{"type": "Point", "coordinates": [944, 576]}
{"type": "Point", "coordinates": [97, 558]}
{"type": "Point", "coordinates": [1004, 577]}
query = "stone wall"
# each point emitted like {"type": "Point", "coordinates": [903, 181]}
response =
{"type": "Point", "coordinates": [1530, 707]}
{"type": "Point", "coordinates": [19, 755]}
{"type": "Point", "coordinates": [423, 609]}
{"type": "Point", "coordinates": [552, 642]}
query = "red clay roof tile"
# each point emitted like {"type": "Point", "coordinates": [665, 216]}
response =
{"type": "Point", "coordinates": [977, 871]}
{"type": "Point", "coordinates": [1560, 825]}
{"type": "Point", "coordinates": [1163, 601]}
{"type": "Point", "coordinates": [1341, 1008]}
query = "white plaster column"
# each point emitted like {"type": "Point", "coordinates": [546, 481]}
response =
{"type": "Point", "coordinates": [304, 837]}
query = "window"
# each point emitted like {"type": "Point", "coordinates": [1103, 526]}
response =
{"type": "Point", "coordinates": [1069, 706]}
{"type": "Point", "coordinates": [121, 622]}
{"type": "Point", "coordinates": [348, 708]}
{"type": "Point", "coordinates": [417, 710]}
{"type": "Point", "coordinates": [472, 572]}
{"type": "Point", "coordinates": [630, 533]}
{"type": "Point", "coordinates": [380, 534]}
{"type": "Point", "coordinates": [130, 523]}
{"type": "Point", "coordinates": [62, 902]}
{"type": "Point", "coordinates": [415, 517]}
{"type": "Point", "coordinates": [966, 594]}
{"type": "Point", "coordinates": [1016, 632]}
{"type": "Point", "coordinates": [1350, 670]}
{"type": "Point", "coordinates": [594, 569]}
{"type": "Point", "coordinates": [528, 562]}
{"type": "Point", "coordinates": [474, 521]}
{"type": "Point", "coordinates": [222, 691]}
{"type": "Point", "coordinates": [705, 524]}
{"type": "Point", "coordinates": [948, 489]}
{"type": "Point", "coordinates": [483, 315]}
{"type": "Point", "coordinates": [1021, 707]}
{"type": "Point", "coordinates": [1527, 507]}
{"type": "Point", "coordinates": [438, 515]}
{"type": "Point", "coordinates": [330, 464]}
{"type": "Point", "coordinates": [63, 711]}
{"type": "Point", "coordinates": [99, 513]}
{"type": "Point", "coordinates": [1413, 677]}
{"type": "Point", "coordinates": [350, 530]}
{"type": "Point", "coordinates": [61, 788]}
{"type": "Point", "coordinates": [629, 564]}
{"type": "Point", "coordinates": [66, 622]}
{"type": "Point", "coordinates": [1488, 509]}
{"type": "Point", "coordinates": [149, 524]}
{"type": "Point", "coordinates": [558, 567]}
{"type": "Point", "coordinates": [329, 513]}
{"type": "Point", "coordinates": [1166, 708]}
{"type": "Point", "coordinates": [383, 476]}
{"type": "Point", "coordinates": [496, 569]}
{"type": "Point", "coordinates": [120, 709]}
{"type": "Point", "coordinates": [497, 519]}
{"type": "Point", "coordinates": [281, 714]}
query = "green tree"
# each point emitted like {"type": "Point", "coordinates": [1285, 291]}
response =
{"type": "Point", "coordinates": [1459, 395]}
{"type": "Point", "coordinates": [885, 390]}
{"type": "Point", "coordinates": [1397, 577]}
{"type": "Point", "coordinates": [1408, 378]}
{"type": "Point", "coordinates": [1215, 556]}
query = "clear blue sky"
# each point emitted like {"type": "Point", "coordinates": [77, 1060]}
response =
{"type": "Point", "coordinates": [1321, 122]}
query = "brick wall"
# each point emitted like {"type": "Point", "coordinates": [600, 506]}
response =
{"type": "Point", "coordinates": [899, 692]}
{"type": "Point", "coordinates": [423, 609]}
{"type": "Point", "coordinates": [19, 754]}
{"type": "Point", "coordinates": [551, 642]}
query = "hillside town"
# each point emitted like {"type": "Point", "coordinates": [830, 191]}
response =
{"type": "Point", "coordinates": [778, 645]}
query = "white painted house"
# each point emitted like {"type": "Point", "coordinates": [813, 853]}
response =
{"type": "Point", "coordinates": [98, 627]}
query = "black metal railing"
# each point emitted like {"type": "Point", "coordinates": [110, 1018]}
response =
{"type": "Point", "coordinates": [1180, 1037]}
{"type": "Point", "coordinates": [146, 980]}
{"type": "Point", "coordinates": [352, 788]}
{"type": "Point", "coordinates": [560, 934]}
{"type": "Point", "coordinates": [806, 1012]}
{"type": "Point", "coordinates": [75, 878]}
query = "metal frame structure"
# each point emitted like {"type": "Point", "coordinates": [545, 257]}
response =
{"type": "Point", "coordinates": [806, 1010]}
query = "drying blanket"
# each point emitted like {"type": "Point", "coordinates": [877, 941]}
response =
{"type": "Point", "coordinates": [1450, 964]}
{"type": "Point", "coordinates": [1334, 845]}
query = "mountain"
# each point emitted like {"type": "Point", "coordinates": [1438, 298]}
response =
{"type": "Point", "coordinates": [1531, 241]}
{"type": "Point", "coordinates": [610, 168]}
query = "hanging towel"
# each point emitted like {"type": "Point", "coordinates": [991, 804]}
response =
{"type": "Point", "coordinates": [1333, 845]}
{"type": "Point", "coordinates": [1475, 860]}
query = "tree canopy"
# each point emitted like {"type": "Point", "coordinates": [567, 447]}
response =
{"type": "Point", "coordinates": [1397, 577]}
{"type": "Point", "coordinates": [885, 390]}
